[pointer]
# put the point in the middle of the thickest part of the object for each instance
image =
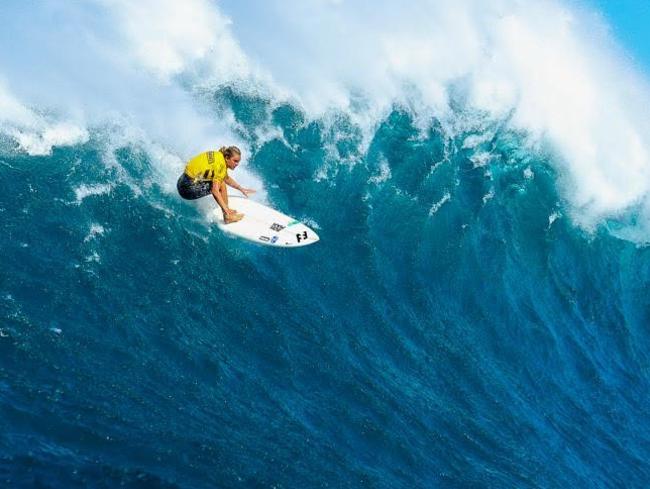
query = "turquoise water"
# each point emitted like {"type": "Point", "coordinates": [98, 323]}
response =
{"type": "Point", "coordinates": [475, 314]}
{"type": "Point", "coordinates": [452, 328]}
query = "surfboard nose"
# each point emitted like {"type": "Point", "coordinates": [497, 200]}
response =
{"type": "Point", "coordinates": [304, 238]}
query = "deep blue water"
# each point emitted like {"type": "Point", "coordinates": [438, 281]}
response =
{"type": "Point", "coordinates": [453, 328]}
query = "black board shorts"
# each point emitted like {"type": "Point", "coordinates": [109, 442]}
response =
{"type": "Point", "coordinates": [191, 190]}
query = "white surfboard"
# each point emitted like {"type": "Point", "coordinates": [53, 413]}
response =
{"type": "Point", "coordinates": [264, 225]}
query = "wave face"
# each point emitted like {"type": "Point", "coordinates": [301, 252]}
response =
{"type": "Point", "coordinates": [463, 322]}
{"type": "Point", "coordinates": [452, 328]}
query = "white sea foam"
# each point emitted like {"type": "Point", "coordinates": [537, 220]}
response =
{"type": "Point", "coordinates": [552, 218]}
{"type": "Point", "coordinates": [40, 142]}
{"type": "Point", "coordinates": [35, 134]}
{"type": "Point", "coordinates": [83, 191]}
{"type": "Point", "coordinates": [166, 36]}
{"type": "Point", "coordinates": [93, 258]}
{"type": "Point", "coordinates": [95, 230]}
{"type": "Point", "coordinates": [384, 173]}
{"type": "Point", "coordinates": [437, 205]}
{"type": "Point", "coordinates": [480, 158]}
{"type": "Point", "coordinates": [311, 223]}
{"type": "Point", "coordinates": [474, 140]}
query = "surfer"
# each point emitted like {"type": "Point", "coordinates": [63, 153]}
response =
{"type": "Point", "coordinates": [207, 173]}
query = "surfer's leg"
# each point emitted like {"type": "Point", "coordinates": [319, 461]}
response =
{"type": "Point", "coordinates": [224, 194]}
{"type": "Point", "coordinates": [223, 189]}
{"type": "Point", "coordinates": [191, 190]}
{"type": "Point", "coordinates": [236, 216]}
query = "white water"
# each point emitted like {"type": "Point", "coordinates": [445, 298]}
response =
{"type": "Point", "coordinates": [550, 67]}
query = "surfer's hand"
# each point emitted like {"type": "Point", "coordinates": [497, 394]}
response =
{"type": "Point", "coordinates": [246, 191]}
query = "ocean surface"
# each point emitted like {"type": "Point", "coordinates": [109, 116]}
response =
{"type": "Point", "coordinates": [455, 327]}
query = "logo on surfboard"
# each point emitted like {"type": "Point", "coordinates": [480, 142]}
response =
{"type": "Point", "coordinates": [276, 227]}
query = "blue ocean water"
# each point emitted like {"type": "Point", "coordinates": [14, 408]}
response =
{"type": "Point", "coordinates": [452, 328]}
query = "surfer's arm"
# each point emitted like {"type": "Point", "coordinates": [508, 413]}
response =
{"type": "Point", "coordinates": [231, 181]}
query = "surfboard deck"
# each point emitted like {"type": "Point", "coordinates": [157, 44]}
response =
{"type": "Point", "coordinates": [264, 225]}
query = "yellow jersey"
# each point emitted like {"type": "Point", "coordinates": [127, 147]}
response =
{"type": "Point", "coordinates": [207, 166]}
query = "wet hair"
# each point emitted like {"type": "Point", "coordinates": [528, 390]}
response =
{"type": "Point", "coordinates": [230, 151]}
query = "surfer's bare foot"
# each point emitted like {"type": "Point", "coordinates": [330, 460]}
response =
{"type": "Point", "coordinates": [234, 217]}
